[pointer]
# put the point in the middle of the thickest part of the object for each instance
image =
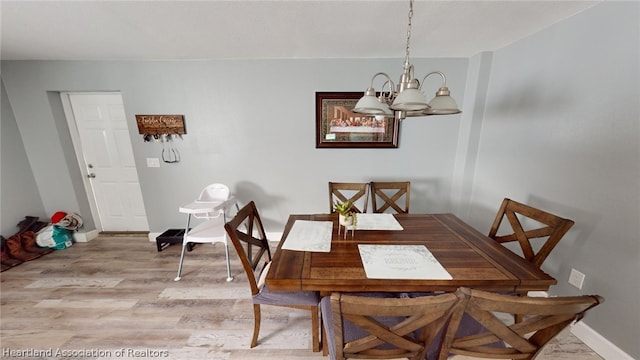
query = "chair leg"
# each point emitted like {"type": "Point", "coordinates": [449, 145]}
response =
{"type": "Point", "coordinates": [226, 252]}
{"type": "Point", "coordinates": [256, 324]}
{"type": "Point", "coordinates": [184, 247]}
{"type": "Point", "coordinates": [315, 329]}
{"type": "Point", "coordinates": [325, 344]}
{"type": "Point", "coordinates": [185, 243]}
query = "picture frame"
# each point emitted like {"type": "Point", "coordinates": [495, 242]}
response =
{"type": "Point", "coordinates": [337, 126]}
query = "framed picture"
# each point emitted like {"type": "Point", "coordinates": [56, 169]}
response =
{"type": "Point", "coordinates": [337, 126]}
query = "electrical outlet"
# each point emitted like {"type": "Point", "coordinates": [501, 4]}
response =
{"type": "Point", "coordinates": [153, 162]}
{"type": "Point", "coordinates": [576, 278]}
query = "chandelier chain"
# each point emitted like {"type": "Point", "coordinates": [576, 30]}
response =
{"type": "Point", "coordinates": [406, 59]}
{"type": "Point", "coordinates": [406, 99]}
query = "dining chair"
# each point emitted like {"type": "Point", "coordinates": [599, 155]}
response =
{"type": "Point", "coordinates": [543, 319]}
{"type": "Point", "coordinates": [384, 327]}
{"type": "Point", "coordinates": [389, 195]}
{"type": "Point", "coordinates": [211, 228]}
{"type": "Point", "coordinates": [527, 223]}
{"type": "Point", "coordinates": [545, 225]}
{"type": "Point", "coordinates": [355, 193]}
{"type": "Point", "coordinates": [248, 237]}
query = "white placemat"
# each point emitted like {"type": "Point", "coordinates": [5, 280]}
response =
{"type": "Point", "coordinates": [306, 235]}
{"type": "Point", "coordinates": [401, 262]}
{"type": "Point", "coordinates": [377, 222]}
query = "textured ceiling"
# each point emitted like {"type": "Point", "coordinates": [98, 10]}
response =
{"type": "Point", "coordinates": [154, 30]}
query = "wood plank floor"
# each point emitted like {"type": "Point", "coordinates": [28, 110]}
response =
{"type": "Point", "coordinates": [115, 298]}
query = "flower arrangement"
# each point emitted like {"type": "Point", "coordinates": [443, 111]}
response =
{"type": "Point", "coordinates": [344, 208]}
{"type": "Point", "coordinates": [348, 217]}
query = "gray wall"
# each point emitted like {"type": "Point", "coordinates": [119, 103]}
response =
{"type": "Point", "coordinates": [19, 195]}
{"type": "Point", "coordinates": [561, 131]}
{"type": "Point", "coordinates": [250, 124]}
{"type": "Point", "coordinates": [551, 120]}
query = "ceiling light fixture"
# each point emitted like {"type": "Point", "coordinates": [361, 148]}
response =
{"type": "Point", "coordinates": [407, 99]}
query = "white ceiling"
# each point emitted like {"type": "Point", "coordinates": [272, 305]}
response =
{"type": "Point", "coordinates": [154, 30]}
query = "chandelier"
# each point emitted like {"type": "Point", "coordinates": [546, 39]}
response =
{"type": "Point", "coordinates": [407, 99]}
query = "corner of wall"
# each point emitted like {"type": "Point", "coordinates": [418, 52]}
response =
{"type": "Point", "coordinates": [475, 94]}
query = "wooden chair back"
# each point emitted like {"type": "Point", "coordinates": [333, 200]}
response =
{"type": "Point", "coordinates": [356, 193]}
{"type": "Point", "coordinates": [392, 327]}
{"type": "Point", "coordinates": [543, 319]}
{"type": "Point", "coordinates": [389, 195]}
{"type": "Point", "coordinates": [549, 226]}
{"type": "Point", "coordinates": [247, 234]}
{"type": "Point", "coordinates": [250, 241]}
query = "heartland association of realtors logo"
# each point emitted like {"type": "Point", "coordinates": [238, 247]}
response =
{"type": "Point", "coordinates": [84, 353]}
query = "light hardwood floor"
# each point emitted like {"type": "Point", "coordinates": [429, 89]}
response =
{"type": "Point", "coordinates": [115, 298]}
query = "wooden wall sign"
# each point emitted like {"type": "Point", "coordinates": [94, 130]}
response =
{"type": "Point", "coordinates": [160, 124]}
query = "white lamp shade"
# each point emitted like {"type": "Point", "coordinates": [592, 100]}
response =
{"type": "Point", "coordinates": [387, 112]}
{"type": "Point", "coordinates": [410, 100]}
{"type": "Point", "coordinates": [442, 105]}
{"type": "Point", "coordinates": [369, 104]}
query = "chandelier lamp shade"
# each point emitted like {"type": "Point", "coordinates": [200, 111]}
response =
{"type": "Point", "coordinates": [372, 105]}
{"type": "Point", "coordinates": [406, 99]}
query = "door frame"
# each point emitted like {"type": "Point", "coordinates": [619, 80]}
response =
{"type": "Point", "coordinates": [77, 146]}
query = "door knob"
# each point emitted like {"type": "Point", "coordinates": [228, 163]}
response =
{"type": "Point", "coordinates": [91, 175]}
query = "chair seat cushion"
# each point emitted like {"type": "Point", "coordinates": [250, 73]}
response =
{"type": "Point", "coordinates": [468, 326]}
{"type": "Point", "coordinates": [349, 330]}
{"type": "Point", "coordinates": [327, 322]}
{"type": "Point", "coordinates": [302, 298]}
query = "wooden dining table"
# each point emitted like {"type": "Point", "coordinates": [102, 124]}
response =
{"type": "Point", "coordinates": [471, 258]}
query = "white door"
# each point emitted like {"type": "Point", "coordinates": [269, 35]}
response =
{"type": "Point", "coordinates": [103, 145]}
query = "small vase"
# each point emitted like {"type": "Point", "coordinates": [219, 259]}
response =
{"type": "Point", "coordinates": [346, 221]}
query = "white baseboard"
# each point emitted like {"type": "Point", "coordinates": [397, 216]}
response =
{"type": "Point", "coordinates": [592, 339]}
{"type": "Point", "coordinates": [153, 236]}
{"type": "Point", "coordinates": [85, 236]}
{"type": "Point", "coordinates": [90, 235]}
{"type": "Point", "coordinates": [598, 343]}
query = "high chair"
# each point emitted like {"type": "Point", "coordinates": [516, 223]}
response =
{"type": "Point", "coordinates": [211, 207]}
